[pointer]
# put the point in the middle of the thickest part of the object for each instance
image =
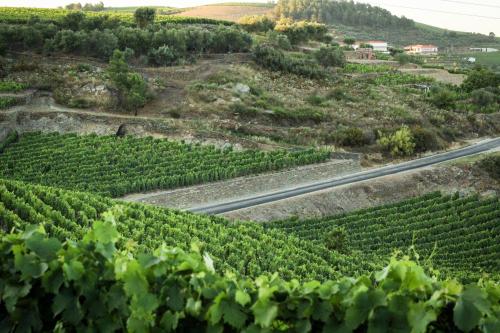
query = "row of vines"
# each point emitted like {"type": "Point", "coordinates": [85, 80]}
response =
{"type": "Point", "coordinates": [458, 234]}
{"type": "Point", "coordinates": [245, 248]}
{"type": "Point", "coordinates": [21, 15]}
{"type": "Point", "coordinates": [115, 166]}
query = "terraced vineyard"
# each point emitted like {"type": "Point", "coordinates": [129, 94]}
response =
{"type": "Point", "coordinates": [458, 235]}
{"type": "Point", "coordinates": [21, 15]}
{"type": "Point", "coordinates": [246, 248]}
{"type": "Point", "coordinates": [115, 166]}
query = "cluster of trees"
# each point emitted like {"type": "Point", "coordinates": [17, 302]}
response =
{"type": "Point", "coordinates": [89, 7]}
{"type": "Point", "coordinates": [276, 60]}
{"type": "Point", "coordinates": [257, 23]}
{"type": "Point", "coordinates": [273, 58]}
{"type": "Point", "coordinates": [295, 31]}
{"type": "Point", "coordinates": [480, 92]}
{"type": "Point", "coordinates": [99, 37]}
{"type": "Point", "coordinates": [340, 12]}
{"type": "Point", "coordinates": [300, 31]}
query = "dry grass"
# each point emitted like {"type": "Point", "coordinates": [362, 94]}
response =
{"type": "Point", "coordinates": [228, 13]}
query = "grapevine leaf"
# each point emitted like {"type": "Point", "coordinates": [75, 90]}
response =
{"type": "Point", "coordinates": [420, 316]}
{"type": "Point", "coordinates": [73, 270]}
{"type": "Point", "coordinates": [364, 301]}
{"type": "Point", "coordinates": [45, 248]}
{"type": "Point", "coordinates": [303, 326]}
{"type": "Point", "coordinates": [169, 321]}
{"type": "Point", "coordinates": [242, 298]}
{"type": "Point", "coordinates": [175, 298]}
{"type": "Point", "coordinates": [193, 306]}
{"type": "Point", "coordinates": [233, 314]}
{"type": "Point", "coordinates": [469, 309]}
{"type": "Point", "coordinates": [265, 312]}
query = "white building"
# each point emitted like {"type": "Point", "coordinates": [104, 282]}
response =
{"type": "Point", "coordinates": [378, 45]}
{"type": "Point", "coordinates": [483, 49]}
{"type": "Point", "coordinates": [424, 49]}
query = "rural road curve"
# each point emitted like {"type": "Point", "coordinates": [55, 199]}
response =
{"type": "Point", "coordinates": [230, 206]}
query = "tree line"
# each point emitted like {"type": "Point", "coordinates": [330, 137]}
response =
{"type": "Point", "coordinates": [343, 12]}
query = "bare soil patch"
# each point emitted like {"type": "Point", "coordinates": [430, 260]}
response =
{"type": "Point", "coordinates": [228, 13]}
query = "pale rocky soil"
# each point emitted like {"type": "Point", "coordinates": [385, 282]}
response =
{"type": "Point", "coordinates": [447, 177]}
{"type": "Point", "coordinates": [244, 187]}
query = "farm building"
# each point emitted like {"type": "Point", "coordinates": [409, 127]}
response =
{"type": "Point", "coordinates": [360, 54]}
{"type": "Point", "coordinates": [423, 49]}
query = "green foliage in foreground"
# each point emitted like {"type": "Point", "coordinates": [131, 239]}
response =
{"type": "Point", "coordinates": [89, 285]}
{"type": "Point", "coordinates": [245, 248]}
{"type": "Point", "coordinates": [458, 235]}
{"type": "Point", "coordinates": [115, 166]}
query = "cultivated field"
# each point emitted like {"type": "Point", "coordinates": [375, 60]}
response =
{"type": "Point", "coordinates": [226, 12]}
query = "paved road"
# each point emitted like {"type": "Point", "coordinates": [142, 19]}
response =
{"type": "Point", "coordinates": [357, 177]}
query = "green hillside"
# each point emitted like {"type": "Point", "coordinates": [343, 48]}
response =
{"type": "Point", "coordinates": [366, 22]}
{"type": "Point", "coordinates": [457, 235]}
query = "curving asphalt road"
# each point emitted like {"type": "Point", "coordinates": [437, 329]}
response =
{"type": "Point", "coordinates": [357, 177]}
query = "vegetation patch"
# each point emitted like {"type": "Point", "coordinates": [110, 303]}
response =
{"type": "Point", "coordinates": [11, 86]}
{"type": "Point", "coordinates": [6, 102]}
{"type": "Point", "coordinates": [491, 164]}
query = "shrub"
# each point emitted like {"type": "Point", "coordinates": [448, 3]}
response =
{"type": "Point", "coordinates": [257, 23]}
{"type": "Point", "coordinates": [330, 57]}
{"type": "Point", "coordinates": [163, 56]}
{"type": "Point", "coordinates": [442, 97]}
{"type": "Point", "coordinates": [484, 97]}
{"type": "Point", "coordinates": [425, 140]}
{"type": "Point", "coordinates": [301, 31]}
{"type": "Point", "coordinates": [400, 143]}
{"type": "Point", "coordinates": [491, 164]}
{"type": "Point", "coordinates": [279, 40]}
{"type": "Point", "coordinates": [336, 240]}
{"type": "Point", "coordinates": [276, 60]}
{"type": "Point", "coordinates": [144, 16]}
{"type": "Point", "coordinates": [479, 78]}
{"type": "Point", "coordinates": [352, 137]}
{"type": "Point", "coordinates": [131, 87]}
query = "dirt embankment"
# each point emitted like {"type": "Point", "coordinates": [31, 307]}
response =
{"type": "Point", "coordinates": [446, 178]}
{"type": "Point", "coordinates": [244, 187]}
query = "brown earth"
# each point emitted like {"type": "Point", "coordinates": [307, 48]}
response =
{"type": "Point", "coordinates": [228, 13]}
